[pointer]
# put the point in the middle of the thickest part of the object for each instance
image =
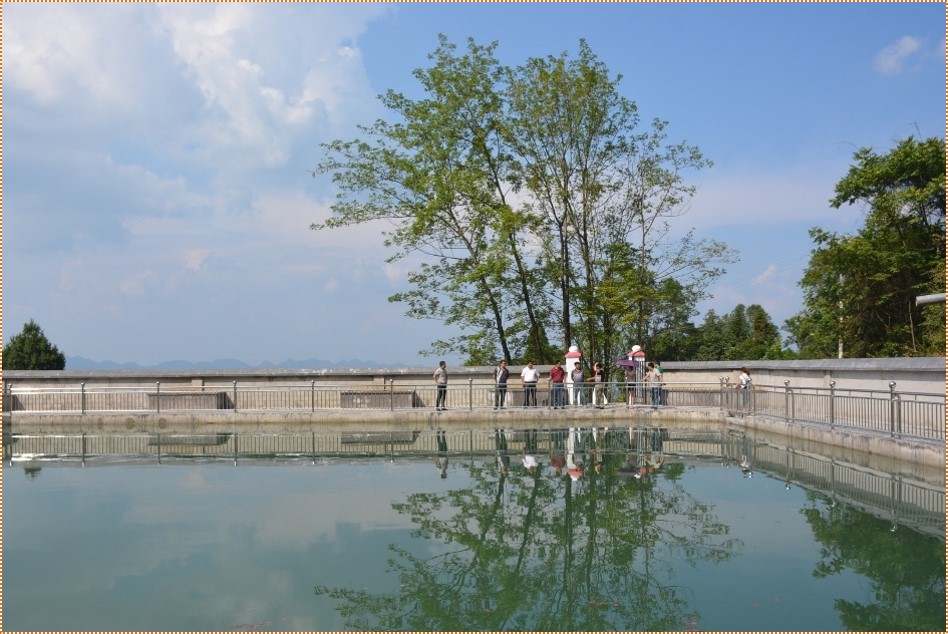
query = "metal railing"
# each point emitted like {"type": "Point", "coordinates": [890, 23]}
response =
{"type": "Point", "coordinates": [895, 413]}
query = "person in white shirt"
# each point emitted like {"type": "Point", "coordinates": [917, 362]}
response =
{"type": "Point", "coordinates": [530, 376]}
{"type": "Point", "coordinates": [440, 377]}
{"type": "Point", "coordinates": [745, 386]}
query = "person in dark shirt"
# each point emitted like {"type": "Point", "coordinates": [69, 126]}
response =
{"type": "Point", "coordinates": [558, 394]}
{"type": "Point", "coordinates": [500, 384]}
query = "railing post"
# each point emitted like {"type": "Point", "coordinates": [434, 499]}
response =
{"type": "Point", "coordinates": [832, 412]}
{"type": "Point", "coordinates": [235, 397]}
{"type": "Point", "coordinates": [158, 396]}
{"type": "Point", "coordinates": [391, 394]}
{"type": "Point", "coordinates": [470, 394]}
{"type": "Point", "coordinates": [312, 395]}
{"type": "Point", "coordinates": [722, 393]}
{"type": "Point", "coordinates": [788, 401]}
{"type": "Point", "coordinates": [895, 411]}
{"type": "Point", "coordinates": [82, 397]}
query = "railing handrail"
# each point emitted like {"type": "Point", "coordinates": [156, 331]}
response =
{"type": "Point", "coordinates": [910, 414]}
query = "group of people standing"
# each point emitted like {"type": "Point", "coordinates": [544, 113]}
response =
{"type": "Point", "coordinates": [530, 376]}
{"type": "Point", "coordinates": [589, 389]}
{"type": "Point", "coordinates": [585, 389]}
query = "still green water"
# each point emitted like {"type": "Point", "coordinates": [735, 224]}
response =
{"type": "Point", "coordinates": [389, 544]}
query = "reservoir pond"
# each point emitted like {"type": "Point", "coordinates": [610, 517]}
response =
{"type": "Point", "coordinates": [565, 530]}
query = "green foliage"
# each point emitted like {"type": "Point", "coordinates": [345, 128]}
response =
{"type": "Point", "coordinates": [538, 205]}
{"type": "Point", "coordinates": [746, 333]}
{"type": "Point", "coordinates": [860, 289]}
{"type": "Point", "coordinates": [31, 350]}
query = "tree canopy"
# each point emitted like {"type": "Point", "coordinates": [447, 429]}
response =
{"type": "Point", "coordinates": [31, 350]}
{"type": "Point", "coordinates": [859, 290]}
{"type": "Point", "coordinates": [538, 202]}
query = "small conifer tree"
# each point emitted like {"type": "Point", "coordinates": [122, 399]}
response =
{"type": "Point", "coordinates": [31, 350]}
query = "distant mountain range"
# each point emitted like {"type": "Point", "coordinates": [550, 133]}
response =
{"type": "Point", "coordinates": [82, 363]}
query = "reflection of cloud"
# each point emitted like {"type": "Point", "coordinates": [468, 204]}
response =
{"type": "Point", "coordinates": [890, 60]}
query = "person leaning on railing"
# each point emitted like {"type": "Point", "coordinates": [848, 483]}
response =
{"type": "Point", "coordinates": [744, 384]}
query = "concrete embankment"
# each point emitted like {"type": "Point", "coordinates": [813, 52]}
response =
{"type": "Point", "coordinates": [846, 441]}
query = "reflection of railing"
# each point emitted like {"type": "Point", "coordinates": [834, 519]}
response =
{"type": "Point", "coordinates": [902, 500]}
{"type": "Point", "coordinates": [910, 414]}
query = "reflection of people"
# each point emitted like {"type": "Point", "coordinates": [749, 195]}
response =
{"type": "Point", "coordinates": [744, 384]}
{"type": "Point", "coordinates": [500, 443]}
{"type": "Point", "coordinates": [442, 461]}
{"type": "Point", "coordinates": [530, 462]}
{"type": "Point", "coordinates": [558, 394]}
{"type": "Point", "coordinates": [530, 375]}
{"type": "Point", "coordinates": [440, 377]}
{"type": "Point", "coordinates": [577, 377]}
{"type": "Point", "coordinates": [746, 467]}
{"type": "Point", "coordinates": [500, 384]}
{"type": "Point", "coordinates": [557, 459]}
{"type": "Point", "coordinates": [646, 464]}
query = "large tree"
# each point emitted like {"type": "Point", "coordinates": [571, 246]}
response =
{"type": "Point", "coordinates": [859, 290]}
{"type": "Point", "coordinates": [535, 200]}
{"type": "Point", "coordinates": [443, 176]}
{"type": "Point", "coordinates": [31, 350]}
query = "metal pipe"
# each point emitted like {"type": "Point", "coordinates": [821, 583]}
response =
{"type": "Point", "coordinates": [937, 298]}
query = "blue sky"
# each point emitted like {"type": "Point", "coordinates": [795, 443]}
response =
{"type": "Point", "coordinates": [157, 192]}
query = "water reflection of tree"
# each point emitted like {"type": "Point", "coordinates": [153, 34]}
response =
{"type": "Point", "coordinates": [545, 553]}
{"type": "Point", "coordinates": [905, 569]}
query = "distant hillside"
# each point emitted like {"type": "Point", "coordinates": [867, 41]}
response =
{"type": "Point", "coordinates": [82, 363]}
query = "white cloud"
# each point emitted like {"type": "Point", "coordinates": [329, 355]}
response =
{"type": "Point", "coordinates": [766, 275]}
{"type": "Point", "coordinates": [194, 259]}
{"type": "Point", "coordinates": [890, 60]}
{"type": "Point", "coordinates": [134, 286]}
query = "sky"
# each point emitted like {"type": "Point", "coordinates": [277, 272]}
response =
{"type": "Point", "coordinates": [158, 188]}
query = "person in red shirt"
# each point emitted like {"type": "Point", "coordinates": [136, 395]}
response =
{"type": "Point", "coordinates": [557, 375]}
